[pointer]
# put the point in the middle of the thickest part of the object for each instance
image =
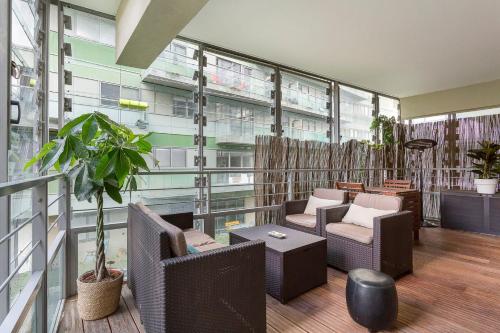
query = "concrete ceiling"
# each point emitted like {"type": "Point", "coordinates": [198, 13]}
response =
{"type": "Point", "coordinates": [399, 47]}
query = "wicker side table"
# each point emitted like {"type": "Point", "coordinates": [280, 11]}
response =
{"type": "Point", "coordinates": [294, 265]}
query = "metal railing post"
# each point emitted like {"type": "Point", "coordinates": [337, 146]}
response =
{"type": "Point", "coordinates": [39, 256]}
{"type": "Point", "coordinates": [209, 225]}
{"type": "Point", "coordinates": [5, 36]}
{"type": "Point", "coordinates": [65, 208]}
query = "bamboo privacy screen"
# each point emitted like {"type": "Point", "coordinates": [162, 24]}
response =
{"type": "Point", "coordinates": [359, 162]}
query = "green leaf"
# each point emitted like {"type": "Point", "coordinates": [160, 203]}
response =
{"type": "Point", "coordinates": [84, 188]}
{"type": "Point", "coordinates": [106, 126]}
{"type": "Point", "coordinates": [89, 130]}
{"type": "Point", "coordinates": [106, 165]}
{"type": "Point", "coordinates": [65, 158]}
{"type": "Point", "coordinates": [52, 156]}
{"type": "Point", "coordinates": [70, 127]}
{"type": "Point", "coordinates": [45, 149]}
{"type": "Point", "coordinates": [136, 159]}
{"type": "Point", "coordinates": [144, 146]}
{"type": "Point", "coordinates": [122, 168]}
{"type": "Point", "coordinates": [113, 192]}
{"type": "Point", "coordinates": [133, 184]}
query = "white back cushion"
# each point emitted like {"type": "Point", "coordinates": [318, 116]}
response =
{"type": "Point", "coordinates": [315, 202]}
{"type": "Point", "coordinates": [363, 216]}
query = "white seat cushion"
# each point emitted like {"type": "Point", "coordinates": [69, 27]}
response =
{"type": "Point", "coordinates": [314, 203]}
{"type": "Point", "coordinates": [351, 231]}
{"type": "Point", "coordinates": [364, 216]}
{"type": "Point", "coordinates": [304, 220]}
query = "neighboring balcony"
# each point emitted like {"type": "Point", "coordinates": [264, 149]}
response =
{"type": "Point", "coordinates": [238, 131]}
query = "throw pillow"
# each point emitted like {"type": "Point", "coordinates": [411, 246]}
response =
{"type": "Point", "coordinates": [315, 202]}
{"type": "Point", "coordinates": [191, 249]}
{"type": "Point", "coordinates": [364, 216]}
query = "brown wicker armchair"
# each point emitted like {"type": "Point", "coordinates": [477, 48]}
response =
{"type": "Point", "coordinates": [294, 217]}
{"type": "Point", "coordinates": [219, 289]}
{"type": "Point", "coordinates": [387, 247]}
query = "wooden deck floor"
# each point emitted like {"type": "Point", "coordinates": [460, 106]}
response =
{"type": "Point", "coordinates": [455, 287]}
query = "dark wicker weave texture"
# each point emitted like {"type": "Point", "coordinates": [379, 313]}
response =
{"type": "Point", "coordinates": [391, 249]}
{"type": "Point", "coordinates": [221, 290]}
{"type": "Point", "coordinates": [298, 206]}
{"type": "Point", "coordinates": [294, 271]}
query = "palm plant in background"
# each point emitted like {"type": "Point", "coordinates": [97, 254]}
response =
{"type": "Point", "coordinates": [489, 160]}
{"type": "Point", "coordinates": [487, 166]}
{"type": "Point", "coordinates": [102, 156]}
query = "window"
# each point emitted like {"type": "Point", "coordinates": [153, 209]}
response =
{"type": "Point", "coordinates": [130, 93]}
{"type": "Point", "coordinates": [162, 155]}
{"type": "Point", "coordinates": [222, 159]}
{"type": "Point", "coordinates": [356, 109]}
{"type": "Point", "coordinates": [179, 52]}
{"type": "Point", "coordinates": [236, 160]}
{"type": "Point", "coordinates": [110, 94]}
{"type": "Point", "coordinates": [247, 160]}
{"type": "Point", "coordinates": [87, 26]}
{"type": "Point", "coordinates": [171, 157]}
{"type": "Point", "coordinates": [178, 158]}
{"type": "Point", "coordinates": [182, 107]}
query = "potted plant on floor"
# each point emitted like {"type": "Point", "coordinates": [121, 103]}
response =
{"type": "Point", "coordinates": [487, 167]}
{"type": "Point", "coordinates": [101, 156]}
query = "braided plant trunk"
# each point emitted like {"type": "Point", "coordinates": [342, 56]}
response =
{"type": "Point", "coordinates": [100, 263]}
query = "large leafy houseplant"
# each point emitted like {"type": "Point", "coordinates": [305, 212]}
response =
{"type": "Point", "coordinates": [386, 124]}
{"type": "Point", "coordinates": [101, 156]}
{"type": "Point", "coordinates": [486, 164]}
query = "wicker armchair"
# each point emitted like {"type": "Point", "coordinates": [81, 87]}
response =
{"type": "Point", "coordinates": [217, 290]}
{"type": "Point", "coordinates": [294, 217]}
{"type": "Point", "coordinates": [387, 247]}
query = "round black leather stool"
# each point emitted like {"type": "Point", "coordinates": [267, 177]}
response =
{"type": "Point", "coordinates": [371, 298]}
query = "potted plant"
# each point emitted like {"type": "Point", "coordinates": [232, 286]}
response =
{"type": "Point", "coordinates": [487, 167]}
{"type": "Point", "coordinates": [101, 156]}
{"type": "Point", "coordinates": [387, 125]}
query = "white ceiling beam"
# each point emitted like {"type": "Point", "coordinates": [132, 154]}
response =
{"type": "Point", "coordinates": [145, 27]}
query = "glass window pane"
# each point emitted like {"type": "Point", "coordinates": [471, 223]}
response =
{"type": "Point", "coordinates": [356, 112]}
{"type": "Point", "coordinates": [130, 93]}
{"type": "Point", "coordinates": [305, 103]}
{"type": "Point", "coordinates": [178, 158]}
{"type": "Point", "coordinates": [115, 244]}
{"type": "Point", "coordinates": [388, 107]}
{"type": "Point", "coordinates": [54, 289]}
{"type": "Point", "coordinates": [87, 26]}
{"type": "Point", "coordinates": [235, 160]}
{"type": "Point", "coordinates": [238, 77]}
{"type": "Point", "coordinates": [163, 157]}
{"type": "Point", "coordinates": [478, 113]}
{"type": "Point", "coordinates": [107, 35]}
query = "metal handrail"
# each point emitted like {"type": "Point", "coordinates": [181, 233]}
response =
{"type": "Point", "coordinates": [18, 267]}
{"type": "Point", "coordinates": [213, 171]}
{"type": "Point", "coordinates": [8, 188]}
{"type": "Point", "coordinates": [55, 200]}
{"type": "Point", "coordinates": [19, 227]}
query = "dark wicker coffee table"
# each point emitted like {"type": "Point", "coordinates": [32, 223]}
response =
{"type": "Point", "coordinates": [294, 265]}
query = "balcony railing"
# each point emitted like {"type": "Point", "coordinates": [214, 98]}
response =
{"type": "Point", "coordinates": [34, 280]}
{"type": "Point", "coordinates": [57, 239]}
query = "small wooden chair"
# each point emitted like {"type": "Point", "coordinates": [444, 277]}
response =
{"type": "Point", "coordinates": [352, 188]}
{"type": "Point", "coordinates": [397, 183]}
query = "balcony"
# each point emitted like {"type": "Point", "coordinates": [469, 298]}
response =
{"type": "Point", "coordinates": [436, 264]}
{"type": "Point", "coordinates": [247, 147]}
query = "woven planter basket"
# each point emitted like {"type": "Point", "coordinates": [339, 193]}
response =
{"type": "Point", "coordinates": [97, 300]}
